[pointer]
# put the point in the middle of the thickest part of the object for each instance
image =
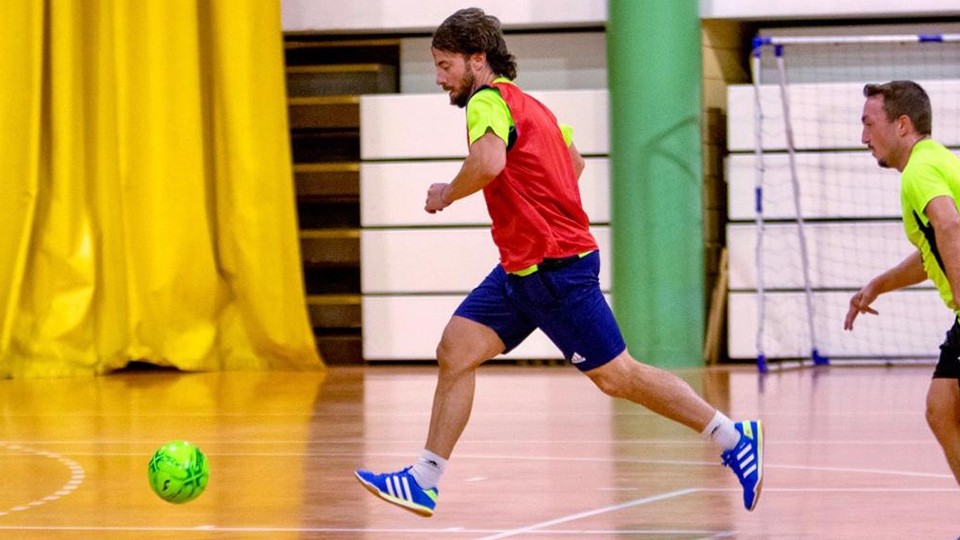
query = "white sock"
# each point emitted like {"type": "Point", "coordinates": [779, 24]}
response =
{"type": "Point", "coordinates": [427, 469]}
{"type": "Point", "coordinates": [722, 431]}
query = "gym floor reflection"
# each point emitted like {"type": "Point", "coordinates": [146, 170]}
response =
{"type": "Point", "coordinates": [546, 455]}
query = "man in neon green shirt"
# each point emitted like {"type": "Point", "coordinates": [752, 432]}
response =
{"type": "Point", "coordinates": [896, 127]}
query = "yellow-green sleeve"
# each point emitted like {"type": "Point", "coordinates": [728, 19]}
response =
{"type": "Point", "coordinates": [567, 131]}
{"type": "Point", "coordinates": [487, 111]}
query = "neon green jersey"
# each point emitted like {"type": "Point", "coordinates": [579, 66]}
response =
{"type": "Point", "coordinates": [487, 111]}
{"type": "Point", "coordinates": [932, 171]}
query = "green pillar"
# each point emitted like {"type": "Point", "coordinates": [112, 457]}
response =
{"type": "Point", "coordinates": [654, 70]}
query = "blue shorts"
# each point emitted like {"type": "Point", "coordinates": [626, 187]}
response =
{"type": "Point", "coordinates": [564, 301]}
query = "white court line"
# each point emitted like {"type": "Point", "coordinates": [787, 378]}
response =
{"type": "Point", "coordinates": [768, 465]}
{"type": "Point", "coordinates": [446, 532]}
{"type": "Point", "coordinates": [628, 461]}
{"type": "Point", "coordinates": [471, 531]}
{"type": "Point", "coordinates": [77, 475]}
{"type": "Point", "coordinates": [848, 490]}
{"type": "Point", "coordinates": [591, 442]}
{"type": "Point", "coordinates": [536, 528]}
{"type": "Point", "coordinates": [216, 529]}
{"type": "Point", "coordinates": [598, 511]}
{"type": "Point", "coordinates": [858, 471]}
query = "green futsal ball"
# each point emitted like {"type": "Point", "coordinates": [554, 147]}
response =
{"type": "Point", "coordinates": [178, 472]}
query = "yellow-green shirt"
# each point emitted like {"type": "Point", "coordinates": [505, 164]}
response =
{"type": "Point", "coordinates": [932, 171]}
{"type": "Point", "coordinates": [487, 111]}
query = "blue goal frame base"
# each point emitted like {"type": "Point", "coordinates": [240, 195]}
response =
{"type": "Point", "coordinates": [818, 360]}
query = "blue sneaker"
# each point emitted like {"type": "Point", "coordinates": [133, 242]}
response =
{"type": "Point", "coordinates": [746, 461]}
{"type": "Point", "coordinates": [401, 489]}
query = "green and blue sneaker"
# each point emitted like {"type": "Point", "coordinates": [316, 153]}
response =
{"type": "Point", "coordinates": [401, 489]}
{"type": "Point", "coordinates": [746, 461]}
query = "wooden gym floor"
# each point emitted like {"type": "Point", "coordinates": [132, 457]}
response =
{"type": "Point", "coordinates": [848, 455]}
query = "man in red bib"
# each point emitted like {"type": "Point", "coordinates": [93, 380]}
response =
{"type": "Point", "coordinates": [528, 168]}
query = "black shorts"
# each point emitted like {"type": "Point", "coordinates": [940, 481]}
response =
{"type": "Point", "coordinates": [949, 365]}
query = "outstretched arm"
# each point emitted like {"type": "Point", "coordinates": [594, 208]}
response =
{"type": "Point", "coordinates": [487, 157]}
{"type": "Point", "coordinates": [909, 272]}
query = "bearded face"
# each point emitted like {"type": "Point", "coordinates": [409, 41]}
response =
{"type": "Point", "coordinates": [455, 75]}
{"type": "Point", "coordinates": [461, 94]}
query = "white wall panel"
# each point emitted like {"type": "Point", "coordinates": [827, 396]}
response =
{"type": "Point", "coordinates": [912, 323]}
{"type": "Point", "coordinates": [393, 194]}
{"type": "Point", "coordinates": [841, 255]}
{"type": "Point", "coordinates": [386, 16]}
{"type": "Point", "coordinates": [832, 185]}
{"type": "Point", "coordinates": [546, 61]}
{"type": "Point", "coordinates": [828, 10]}
{"type": "Point", "coordinates": [833, 110]}
{"type": "Point", "coordinates": [408, 142]}
{"type": "Point", "coordinates": [409, 328]}
{"type": "Point", "coordinates": [392, 16]}
{"type": "Point", "coordinates": [418, 126]}
{"type": "Point", "coordinates": [842, 102]}
{"type": "Point", "coordinates": [439, 260]}
{"type": "Point", "coordinates": [410, 126]}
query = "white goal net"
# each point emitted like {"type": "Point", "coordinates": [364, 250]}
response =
{"type": "Point", "coordinates": [813, 217]}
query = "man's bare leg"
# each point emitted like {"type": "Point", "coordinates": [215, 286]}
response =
{"type": "Point", "coordinates": [464, 346]}
{"type": "Point", "coordinates": [943, 416]}
{"type": "Point", "coordinates": [671, 397]}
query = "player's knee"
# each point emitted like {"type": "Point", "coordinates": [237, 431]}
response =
{"type": "Point", "coordinates": [454, 358]}
{"type": "Point", "coordinates": [446, 355]}
{"type": "Point", "coordinates": [609, 380]}
{"type": "Point", "coordinates": [609, 385]}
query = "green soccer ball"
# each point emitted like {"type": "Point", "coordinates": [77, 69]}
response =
{"type": "Point", "coordinates": [178, 472]}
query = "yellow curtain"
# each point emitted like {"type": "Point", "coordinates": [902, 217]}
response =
{"type": "Point", "coordinates": [146, 196]}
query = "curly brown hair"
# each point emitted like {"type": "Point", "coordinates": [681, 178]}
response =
{"type": "Point", "coordinates": [470, 31]}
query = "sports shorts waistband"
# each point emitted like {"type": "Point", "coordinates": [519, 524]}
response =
{"type": "Point", "coordinates": [549, 264]}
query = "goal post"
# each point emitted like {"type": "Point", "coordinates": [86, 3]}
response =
{"type": "Point", "coordinates": [826, 217]}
